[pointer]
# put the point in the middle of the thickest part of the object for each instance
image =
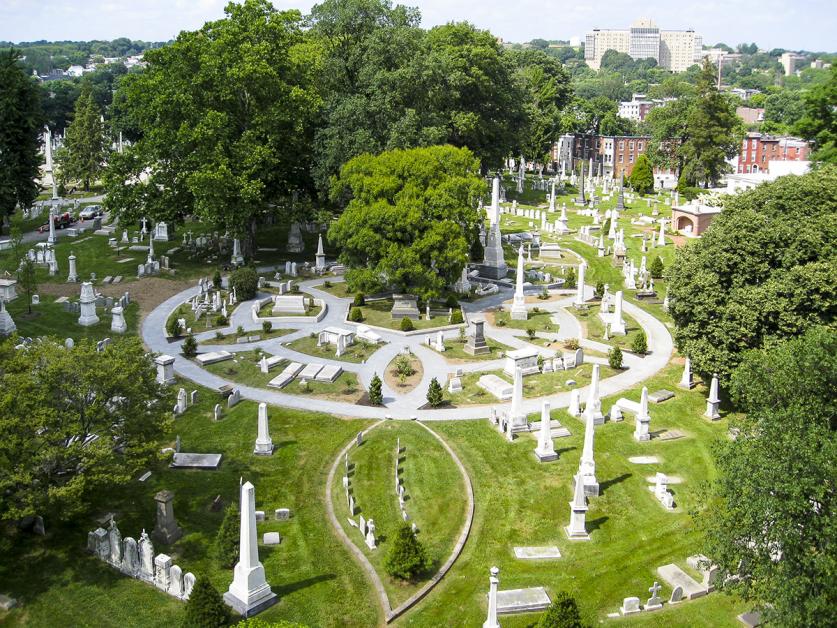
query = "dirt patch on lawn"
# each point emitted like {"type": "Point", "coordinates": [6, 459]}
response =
{"type": "Point", "coordinates": [148, 292]}
{"type": "Point", "coordinates": [392, 380]}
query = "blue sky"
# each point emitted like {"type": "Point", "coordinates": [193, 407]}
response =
{"type": "Point", "coordinates": [800, 24]}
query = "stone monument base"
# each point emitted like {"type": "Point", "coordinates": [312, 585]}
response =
{"type": "Point", "coordinates": [473, 349]}
{"type": "Point", "coordinates": [493, 272]}
{"type": "Point", "coordinates": [249, 610]}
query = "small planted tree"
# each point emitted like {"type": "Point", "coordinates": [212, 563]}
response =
{"type": "Point", "coordinates": [434, 393]}
{"type": "Point", "coordinates": [226, 542]}
{"type": "Point", "coordinates": [640, 343]}
{"type": "Point", "coordinates": [407, 324]}
{"type": "Point", "coordinates": [642, 177]}
{"type": "Point", "coordinates": [456, 317]}
{"type": "Point", "coordinates": [359, 300]}
{"type": "Point", "coordinates": [355, 315]}
{"type": "Point", "coordinates": [205, 608]}
{"type": "Point", "coordinates": [404, 367]}
{"type": "Point", "coordinates": [407, 557]}
{"type": "Point", "coordinates": [614, 358]}
{"type": "Point", "coordinates": [376, 397]}
{"type": "Point", "coordinates": [216, 280]}
{"type": "Point", "coordinates": [267, 327]}
{"type": "Point", "coordinates": [190, 346]}
{"type": "Point", "coordinates": [656, 268]}
{"type": "Point", "coordinates": [599, 290]}
{"type": "Point", "coordinates": [562, 613]}
{"type": "Point", "coordinates": [245, 280]}
{"type": "Point", "coordinates": [173, 327]}
{"type": "Point", "coordinates": [570, 279]}
{"type": "Point", "coordinates": [531, 333]}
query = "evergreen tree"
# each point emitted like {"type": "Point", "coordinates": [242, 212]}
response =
{"type": "Point", "coordinates": [434, 393]}
{"type": "Point", "coordinates": [407, 557]}
{"type": "Point", "coordinates": [714, 132]}
{"type": "Point", "coordinates": [190, 346]}
{"type": "Point", "coordinates": [21, 122]}
{"type": "Point", "coordinates": [656, 268]}
{"type": "Point", "coordinates": [642, 177]}
{"type": "Point", "coordinates": [570, 279]}
{"type": "Point", "coordinates": [227, 541]}
{"type": "Point", "coordinates": [205, 608]}
{"type": "Point", "coordinates": [562, 613]}
{"type": "Point", "coordinates": [376, 397]}
{"type": "Point", "coordinates": [614, 358]}
{"type": "Point", "coordinates": [85, 141]}
{"type": "Point", "coordinates": [640, 343]}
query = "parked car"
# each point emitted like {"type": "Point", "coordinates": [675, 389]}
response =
{"type": "Point", "coordinates": [61, 221]}
{"type": "Point", "coordinates": [90, 212]}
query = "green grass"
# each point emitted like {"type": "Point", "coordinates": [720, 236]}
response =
{"type": "Point", "coordinates": [244, 369]}
{"type": "Point", "coordinates": [379, 313]}
{"type": "Point", "coordinates": [357, 352]}
{"type": "Point", "coordinates": [434, 499]}
{"type": "Point", "coordinates": [339, 289]}
{"type": "Point", "coordinates": [455, 350]}
{"type": "Point", "coordinates": [522, 502]}
{"type": "Point", "coordinates": [595, 328]}
{"type": "Point", "coordinates": [539, 321]}
{"type": "Point", "coordinates": [230, 339]}
{"type": "Point", "coordinates": [316, 580]}
{"type": "Point", "coordinates": [533, 385]}
{"type": "Point", "coordinates": [50, 319]}
{"type": "Point", "coordinates": [208, 320]}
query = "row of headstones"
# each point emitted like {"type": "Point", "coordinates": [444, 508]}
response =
{"type": "Point", "coordinates": [367, 528]}
{"type": "Point", "coordinates": [137, 560]}
{"type": "Point", "coordinates": [632, 605]}
{"type": "Point", "coordinates": [232, 401]}
{"type": "Point", "coordinates": [399, 487]}
{"type": "Point", "coordinates": [285, 287]}
{"type": "Point", "coordinates": [183, 402]}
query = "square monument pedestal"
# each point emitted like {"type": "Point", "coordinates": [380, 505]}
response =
{"type": "Point", "coordinates": [404, 306]}
{"type": "Point", "coordinates": [476, 344]}
{"type": "Point", "coordinates": [252, 608]}
{"type": "Point", "coordinates": [493, 272]}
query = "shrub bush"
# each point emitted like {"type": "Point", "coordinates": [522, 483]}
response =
{"type": "Point", "coordinates": [376, 397]}
{"type": "Point", "coordinates": [452, 301]}
{"type": "Point", "coordinates": [531, 333]}
{"type": "Point", "coordinates": [327, 284]}
{"type": "Point", "coordinates": [360, 299]}
{"type": "Point", "coordinates": [245, 281]}
{"type": "Point", "coordinates": [562, 613]}
{"type": "Point", "coordinates": [434, 393]}
{"type": "Point", "coordinates": [205, 608]}
{"type": "Point", "coordinates": [656, 268]}
{"type": "Point", "coordinates": [267, 327]}
{"type": "Point", "coordinates": [456, 317]}
{"type": "Point", "coordinates": [227, 540]}
{"type": "Point", "coordinates": [356, 315]}
{"type": "Point", "coordinates": [614, 358]}
{"type": "Point", "coordinates": [572, 344]}
{"type": "Point", "coordinates": [221, 321]}
{"type": "Point", "coordinates": [640, 343]}
{"type": "Point", "coordinates": [216, 280]}
{"type": "Point", "coordinates": [190, 346]}
{"type": "Point", "coordinates": [599, 290]}
{"type": "Point", "coordinates": [239, 330]}
{"type": "Point", "coordinates": [407, 558]}
{"type": "Point", "coordinates": [407, 324]}
{"type": "Point", "coordinates": [173, 327]}
{"type": "Point", "coordinates": [570, 280]}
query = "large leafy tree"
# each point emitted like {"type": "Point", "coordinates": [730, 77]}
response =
{"type": "Point", "coordinates": [766, 269]}
{"type": "Point", "coordinates": [642, 177]}
{"type": "Point", "coordinates": [74, 422]}
{"type": "Point", "coordinates": [21, 122]}
{"type": "Point", "coordinates": [771, 514]}
{"type": "Point", "coordinates": [83, 155]}
{"type": "Point", "coordinates": [410, 219]}
{"type": "Point", "coordinates": [819, 120]}
{"type": "Point", "coordinates": [225, 123]}
{"type": "Point", "coordinates": [547, 89]}
{"type": "Point", "coordinates": [713, 132]}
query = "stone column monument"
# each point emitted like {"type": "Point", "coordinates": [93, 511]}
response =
{"type": "Point", "coordinates": [88, 305]}
{"type": "Point", "coordinates": [166, 530]}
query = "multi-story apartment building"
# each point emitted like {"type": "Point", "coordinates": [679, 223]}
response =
{"type": "Point", "coordinates": [639, 106]}
{"type": "Point", "coordinates": [673, 50]}
{"type": "Point", "coordinates": [758, 150]}
{"type": "Point", "coordinates": [790, 61]}
{"type": "Point", "coordinates": [610, 155]}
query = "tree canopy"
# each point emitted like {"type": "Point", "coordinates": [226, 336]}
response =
{"type": "Point", "coordinates": [765, 269]}
{"type": "Point", "coordinates": [770, 514]}
{"type": "Point", "coordinates": [83, 155]}
{"type": "Point", "coordinates": [410, 218]}
{"type": "Point", "coordinates": [819, 119]}
{"type": "Point", "coordinates": [74, 422]}
{"type": "Point", "coordinates": [21, 123]}
{"type": "Point", "coordinates": [224, 115]}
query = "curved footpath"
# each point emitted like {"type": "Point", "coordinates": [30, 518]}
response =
{"type": "Point", "coordinates": [434, 364]}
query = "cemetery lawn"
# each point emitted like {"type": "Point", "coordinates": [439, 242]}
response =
{"type": "Point", "coordinates": [533, 385]}
{"type": "Point", "coordinates": [338, 289]}
{"type": "Point", "coordinates": [594, 328]}
{"type": "Point", "coordinates": [184, 311]}
{"type": "Point", "coordinates": [230, 339]}
{"type": "Point", "coordinates": [393, 381]}
{"type": "Point", "coordinates": [455, 351]}
{"type": "Point", "coordinates": [266, 311]}
{"type": "Point", "coordinates": [539, 321]}
{"type": "Point", "coordinates": [314, 576]}
{"type": "Point", "coordinates": [357, 352]}
{"type": "Point", "coordinates": [379, 314]}
{"type": "Point", "coordinates": [244, 369]}
{"type": "Point", "coordinates": [521, 502]}
{"type": "Point", "coordinates": [434, 498]}
{"type": "Point", "coordinates": [49, 318]}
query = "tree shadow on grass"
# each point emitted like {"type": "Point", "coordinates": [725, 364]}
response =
{"type": "Point", "coordinates": [595, 524]}
{"type": "Point", "coordinates": [291, 587]}
{"type": "Point", "coordinates": [608, 483]}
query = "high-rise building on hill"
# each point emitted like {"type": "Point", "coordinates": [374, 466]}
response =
{"type": "Point", "coordinates": [672, 50]}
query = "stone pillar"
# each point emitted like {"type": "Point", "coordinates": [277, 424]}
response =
{"type": "Point", "coordinates": [517, 417]}
{"type": "Point", "coordinates": [51, 238]}
{"type": "Point", "coordinates": [577, 529]}
{"type": "Point", "coordinates": [166, 531]}
{"type": "Point", "coordinates": [493, 582]}
{"type": "Point", "coordinates": [249, 592]}
{"type": "Point", "coordinates": [587, 468]}
{"type": "Point", "coordinates": [579, 292]}
{"type": "Point", "coordinates": [88, 305]}
{"type": "Point", "coordinates": [118, 324]}
{"type": "Point", "coordinates": [237, 257]}
{"type": "Point", "coordinates": [643, 419]}
{"type": "Point", "coordinates": [518, 310]}
{"type": "Point", "coordinates": [686, 380]}
{"type": "Point", "coordinates": [72, 276]}
{"type": "Point", "coordinates": [594, 403]}
{"type": "Point", "coordinates": [713, 401]}
{"type": "Point", "coordinates": [545, 450]}
{"type": "Point", "coordinates": [661, 239]}
{"type": "Point", "coordinates": [165, 369]}
{"type": "Point", "coordinates": [320, 256]}
{"type": "Point", "coordinates": [264, 444]}
{"type": "Point", "coordinates": [617, 323]}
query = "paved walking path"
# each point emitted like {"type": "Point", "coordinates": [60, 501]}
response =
{"type": "Point", "coordinates": [434, 364]}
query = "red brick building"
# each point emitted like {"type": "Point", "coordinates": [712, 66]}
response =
{"type": "Point", "coordinates": [758, 150]}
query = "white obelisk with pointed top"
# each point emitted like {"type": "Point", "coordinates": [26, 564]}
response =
{"type": "Point", "coordinates": [577, 530]}
{"type": "Point", "coordinates": [518, 310]}
{"type": "Point", "coordinates": [686, 380]}
{"type": "Point", "coordinates": [594, 403]}
{"type": "Point", "coordinates": [249, 592]}
{"type": "Point", "coordinates": [587, 468]}
{"type": "Point", "coordinates": [320, 255]}
{"type": "Point", "coordinates": [545, 450]}
{"type": "Point", "coordinates": [517, 417]}
{"type": "Point", "coordinates": [579, 293]}
{"type": "Point", "coordinates": [643, 419]}
{"type": "Point", "coordinates": [264, 444]}
{"type": "Point", "coordinates": [617, 323]}
{"type": "Point", "coordinates": [714, 400]}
